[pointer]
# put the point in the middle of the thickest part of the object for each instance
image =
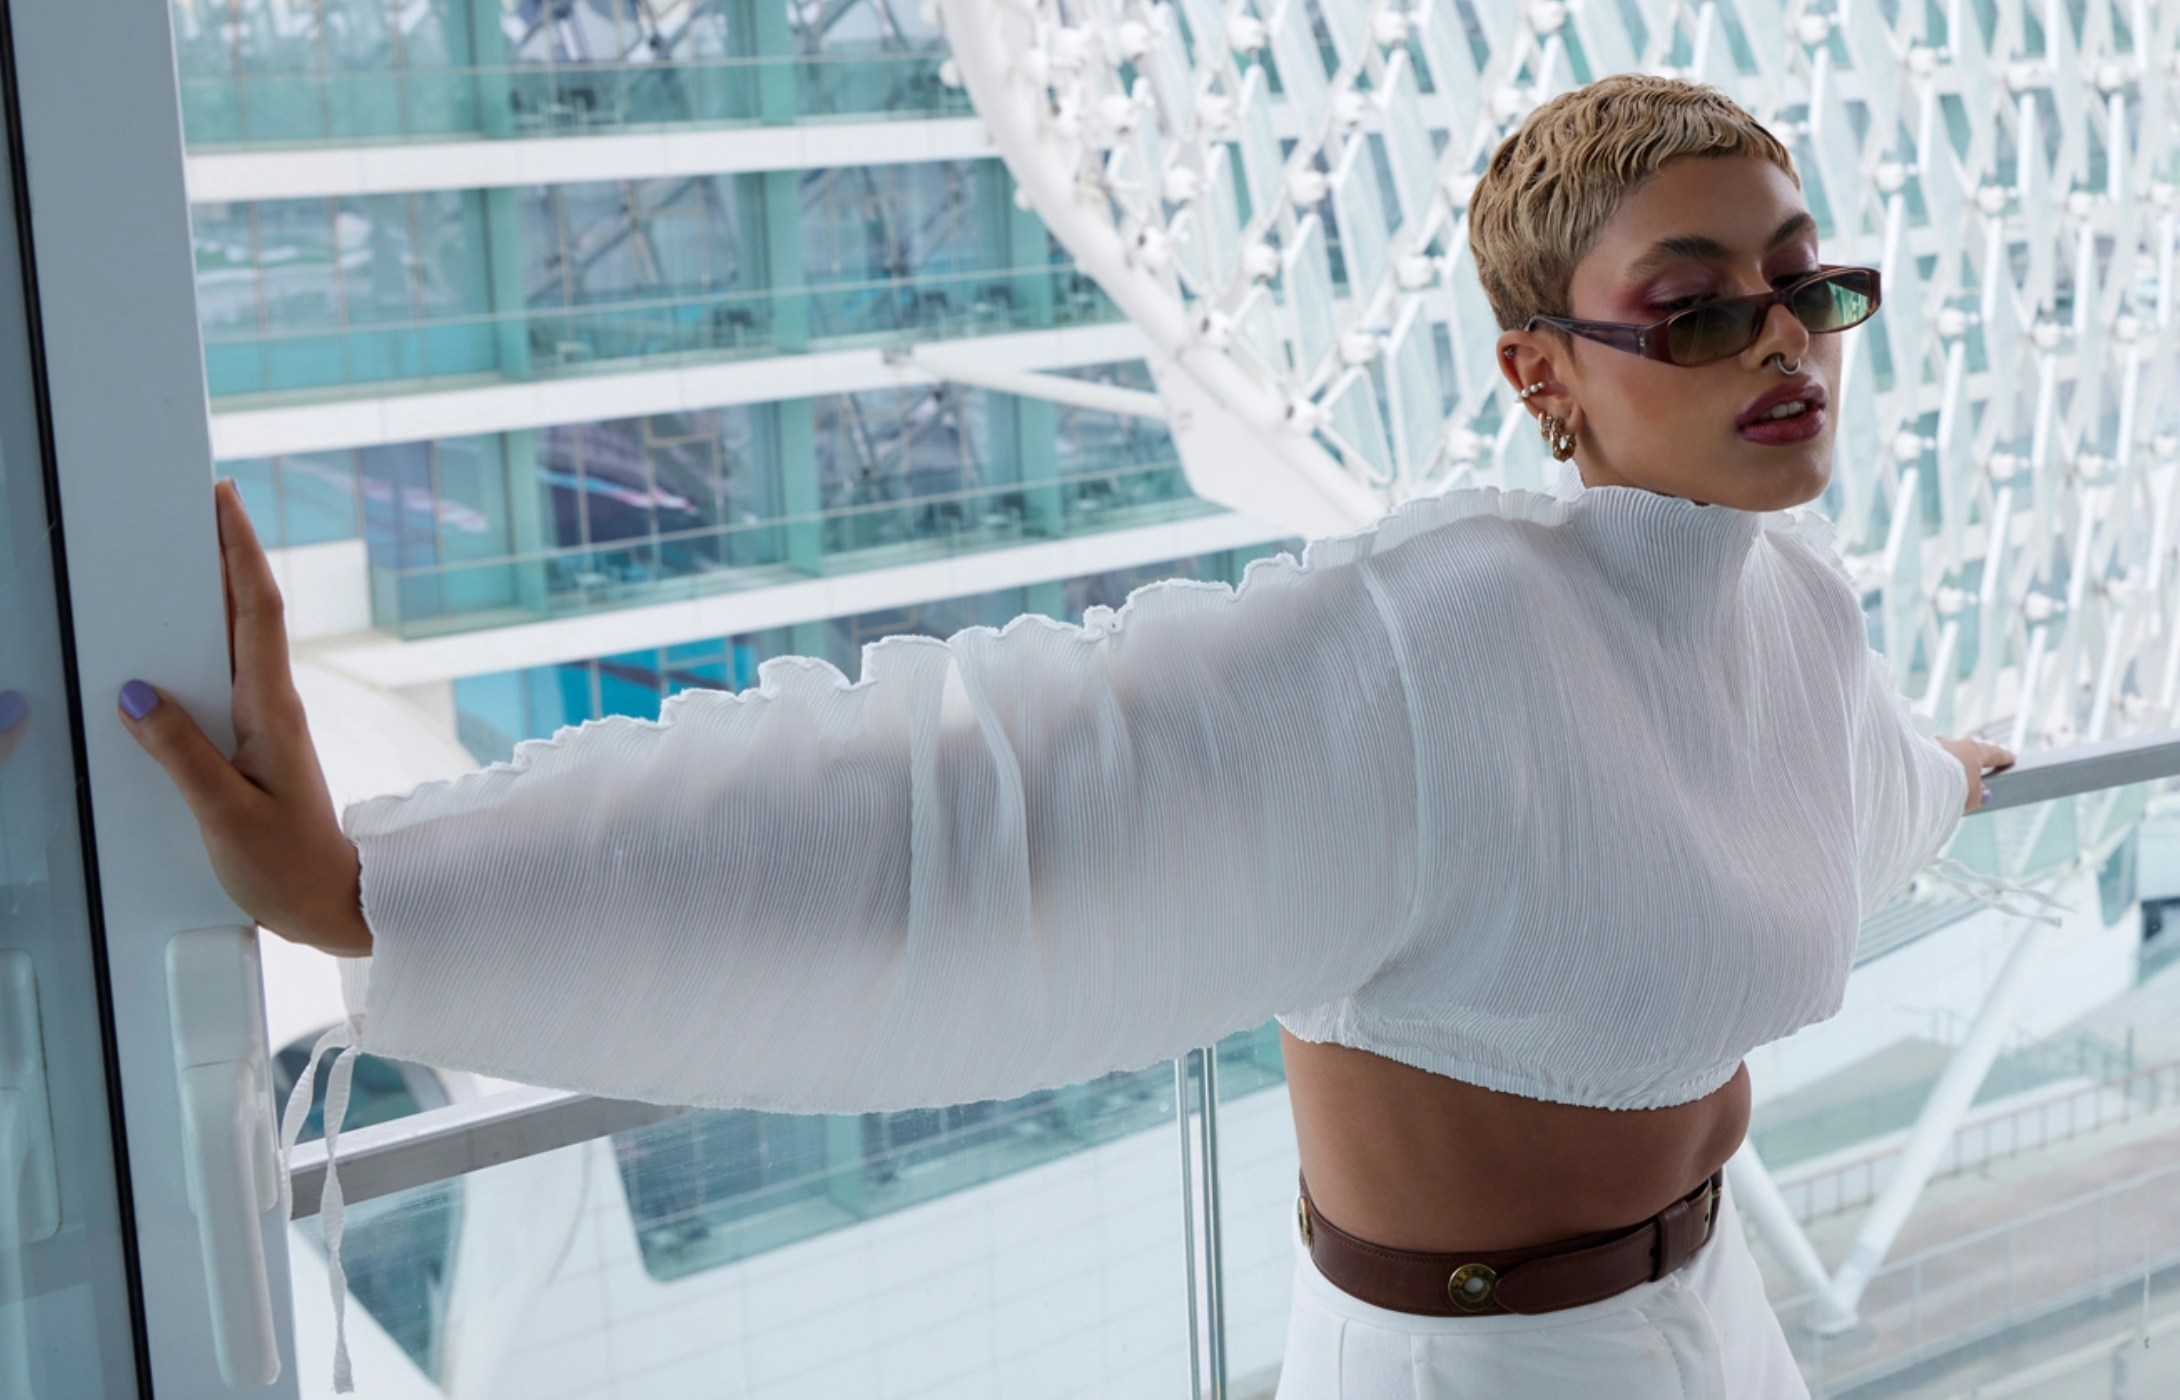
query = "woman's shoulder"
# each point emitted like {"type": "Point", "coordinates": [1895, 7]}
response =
{"type": "Point", "coordinates": [1481, 531]}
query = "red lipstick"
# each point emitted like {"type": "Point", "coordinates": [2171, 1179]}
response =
{"type": "Point", "coordinates": [1803, 397]}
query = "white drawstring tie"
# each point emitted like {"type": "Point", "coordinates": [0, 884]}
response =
{"type": "Point", "coordinates": [2001, 894]}
{"type": "Point", "coordinates": [347, 1037]}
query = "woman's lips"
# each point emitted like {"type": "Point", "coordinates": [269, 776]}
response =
{"type": "Point", "coordinates": [1782, 432]}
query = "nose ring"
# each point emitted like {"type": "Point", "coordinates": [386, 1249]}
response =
{"type": "Point", "coordinates": [1788, 369]}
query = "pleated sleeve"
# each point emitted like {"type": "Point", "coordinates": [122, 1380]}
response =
{"type": "Point", "coordinates": [1004, 861]}
{"type": "Point", "coordinates": [1909, 792]}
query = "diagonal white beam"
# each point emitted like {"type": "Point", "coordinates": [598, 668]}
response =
{"type": "Point", "coordinates": [1757, 1196]}
{"type": "Point", "coordinates": [1941, 1114]}
{"type": "Point", "coordinates": [925, 365]}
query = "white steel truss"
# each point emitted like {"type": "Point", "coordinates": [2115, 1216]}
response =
{"type": "Point", "coordinates": [2009, 436]}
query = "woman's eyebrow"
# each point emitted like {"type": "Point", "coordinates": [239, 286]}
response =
{"type": "Point", "coordinates": [1698, 246]}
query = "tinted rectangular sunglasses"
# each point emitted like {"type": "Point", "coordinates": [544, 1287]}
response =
{"type": "Point", "coordinates": [1830, 299]}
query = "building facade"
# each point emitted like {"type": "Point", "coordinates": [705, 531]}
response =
{"type": "Point", "coordinates": [519, 316]}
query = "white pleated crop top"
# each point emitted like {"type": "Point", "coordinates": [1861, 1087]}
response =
{"type": "Point", "coordinates": [1580, 799]}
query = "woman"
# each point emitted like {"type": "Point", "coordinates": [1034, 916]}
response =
{"type": "Point", "coordinates": [1529, 816]}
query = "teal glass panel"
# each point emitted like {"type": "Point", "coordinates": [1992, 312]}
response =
{"type": "Point", "coordinates": [894, 467]}
{"type": "Point", "coordinates": [609, 514]}
{"type": "Point", "coordinates": [298, 247]}
{"type": "Point", "coordinates": [491, 715]}
{"type": "Point", "coordinates": [256, 479]}
{"type": "Point", "coordinates": [578, 691]}
{"type": "Point", "coordinates": [470, 511]}
{"type": "Point", "coordinates": [497, 711]}
{"type": "Point", "coordinates": [399, 532]}
{"type": "Point", "coordinates": [711, 1189]}
{"type": "Point", "coordinates": [699, 666]}
{"type": "Point", "coordinates": [630, 684]}
{"type": "Point", "coordinates": [318, 501]}
{"type": "Point", "coordinates": [549, 701]}
{"type": "Point", "coordinates": [224, 242]}
{"type": "Point", "coordinates": [313, 294]}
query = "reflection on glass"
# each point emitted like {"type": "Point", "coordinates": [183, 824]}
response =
{"type": "Point", "coordinates": [435, 598]}
{"type": "Point", "coordinates": [715, 1188]}
{"type": "Point", "coordinates": [231, 109]}
{"type": "Point", "coordinates": [353, 70]}
{"type": "Point", "coordinates": [1031, 1248]}
{"type": "Point", "coordinates": [496, 711]}
{"type": "Point", "coordinates": [65, 1328]}
{"type": "Point", "coordinates": [546, 341]}
{"type": "Point", "coordinates": [559, 279]}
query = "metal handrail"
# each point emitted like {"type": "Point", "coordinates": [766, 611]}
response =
{"type": "Point", "coordinates": [465, 1137]}
{"type": "Point", "coordinates": [2084, 768]}
{"type": "Point", "coordinates": [445, 1142]}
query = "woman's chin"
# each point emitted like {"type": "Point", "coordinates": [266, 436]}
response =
{"type": "Point", "coordinates": [1770, 480]}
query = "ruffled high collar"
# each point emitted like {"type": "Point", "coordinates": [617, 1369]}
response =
{"type": "Point", "coordinates": [1666, 549]}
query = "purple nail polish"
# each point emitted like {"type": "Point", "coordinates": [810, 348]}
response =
{"type": "Point", "coordinates": [138, 699]}
{"type": "Point", "coordinates": [14, 709]}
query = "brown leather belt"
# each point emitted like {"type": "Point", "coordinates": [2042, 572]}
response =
{"type": "Point", "coordinates": [1543, 1278]}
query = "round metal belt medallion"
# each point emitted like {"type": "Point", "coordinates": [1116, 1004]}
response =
{"type": "Point", "coordinates": [1473, 1287]}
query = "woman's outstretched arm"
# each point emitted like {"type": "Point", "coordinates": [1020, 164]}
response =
{"type": "Point", "coordinates": [1001, 862]}
{"type": "Point", "coordinates": [1911, 788]}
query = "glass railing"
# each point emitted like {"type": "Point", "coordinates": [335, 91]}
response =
{"type": "Point", "coordinates": [716, 1202]}
{"type": "Point", "coordinates": [579, 339]}
{"type": "Point", "coordinates": [387, 105]}
{"type": "Point", "coordinates": [2015, 1210]}
{"type": "Point", "coordinates": [463, 596]}
{"type": "Point", "coordinates": [2063, 1110]}
{"type": "Point", "coordinates": [1075, 1242]}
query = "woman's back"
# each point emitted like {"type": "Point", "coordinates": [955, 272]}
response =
{"type": "Point", "coordinates": [1416, 1160]}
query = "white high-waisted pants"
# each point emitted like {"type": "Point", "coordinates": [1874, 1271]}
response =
{"type": "Point", "coordinates": [1703, 1333]}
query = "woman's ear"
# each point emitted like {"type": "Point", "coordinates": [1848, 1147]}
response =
{"type": "Point", "coordinates": [1526, 365]}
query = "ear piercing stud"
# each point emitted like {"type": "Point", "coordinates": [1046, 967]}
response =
{"type": "Point", "coordinates": [1530, 391]}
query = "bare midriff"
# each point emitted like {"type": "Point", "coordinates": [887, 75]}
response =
{"type": "Point", "coordinates": [1408, 1159]}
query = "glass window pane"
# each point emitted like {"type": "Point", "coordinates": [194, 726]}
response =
{"type": "Point", "coordinates": [66, 1327]}
{"type": "Point", "coordinates": [1029, 1249]}
{"type": "Point", "coordinates": [318, 497]}
{"type": "Point", "coordinates": [259, 482]}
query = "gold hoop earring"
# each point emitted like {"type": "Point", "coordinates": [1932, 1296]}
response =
{"type": "Point", "coordinates": [1556, 436]}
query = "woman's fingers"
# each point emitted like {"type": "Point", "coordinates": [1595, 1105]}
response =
{"type": "Point", "coordinates": [257, 621]}
{"type": "Point", "coordinates": [215, 792]}
{"type": "Point", "coordinates": [272, 736]}
{"type": "Point", "coordinates": [1977, 759]}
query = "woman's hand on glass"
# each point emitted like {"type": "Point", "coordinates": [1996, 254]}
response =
{"type": "Point", "coordinates": [1977, 759]}
{"type": "Point", "coordinates": [266, 816]}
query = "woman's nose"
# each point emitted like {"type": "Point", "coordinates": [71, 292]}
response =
{"type": "Point", "coordinates": [1783, 333]}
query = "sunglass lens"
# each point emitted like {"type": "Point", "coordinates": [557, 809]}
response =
{"type": "Point", "coordinates": [1711, 332]}
{"type": "Point", "coordinates": [1836, 303]}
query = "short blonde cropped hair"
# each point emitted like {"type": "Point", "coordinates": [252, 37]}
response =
{"type": "Point", "coordinates": [1558, 180]}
